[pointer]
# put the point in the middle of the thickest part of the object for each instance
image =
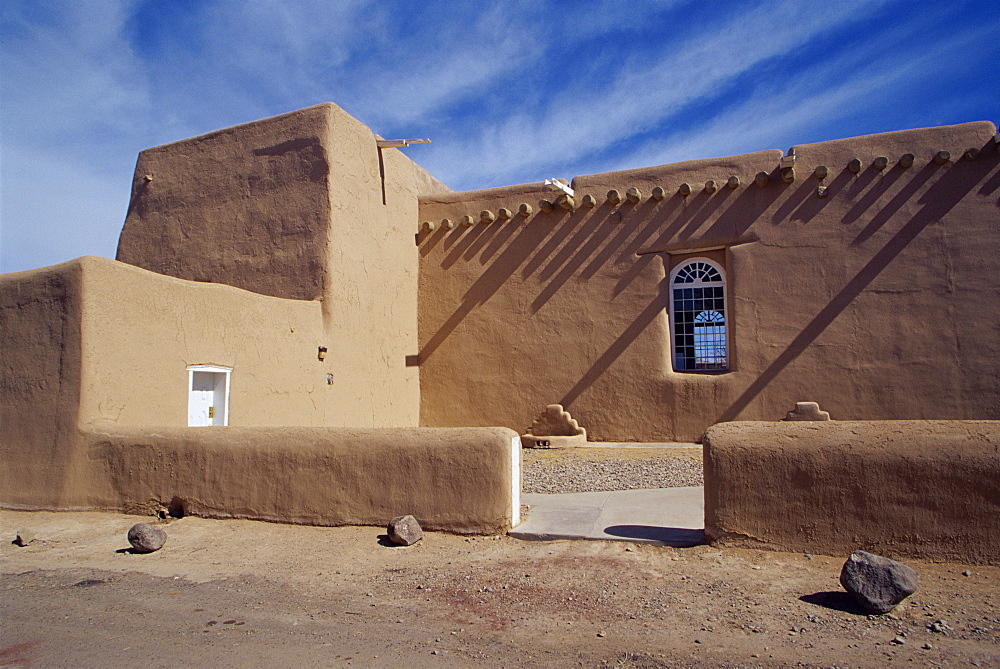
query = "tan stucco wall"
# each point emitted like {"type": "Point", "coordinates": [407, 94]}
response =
{"type": "Point", "coordinates": [39, 381]}
{"type": "Point", "coordinates": [247, 206]}
{"type": "Point", "coordinates": [142, 330]}
{"type": "Point", "coordinates": [457, 480]}
{"type": "Point", "coordinates": [133, 333]}
{"type": "Point", "coordinates": [370, 301]}
{"type": "Point", "coordinates": [874, 301]}
{"type": "Point", "coordinates": [922, 489]}
{"type": "Point", "coordinates": [95, 389]}
{"type": "Point", "coordinates": [301, 206]}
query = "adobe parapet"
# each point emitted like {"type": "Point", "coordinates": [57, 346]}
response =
{"type": "Point", "coordinates": [622, 189]}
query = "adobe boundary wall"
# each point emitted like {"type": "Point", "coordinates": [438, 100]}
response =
{"type": "Point", "coordinates": [459, 480]}
{"type": "Point", "coordinates": [918, 489]}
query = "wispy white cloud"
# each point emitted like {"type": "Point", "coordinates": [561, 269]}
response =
{"type": "Point", "coordinates": [807, 102]}
{"type": "Point", "coordinates": [72, 93]}
{"type": "Point", "coordinates": [460, 62]}
{"type": "Point", "coordinates": [512, 91]}
{"type": "Point", "coordinates": [73, 68]}
{"type": "Point", "coordinates": [590, 116]}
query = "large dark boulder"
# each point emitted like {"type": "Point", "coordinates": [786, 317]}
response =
{"type": "Point", "coordinates": [145, 538]}
{"type": "Point", "coordinates": [877, 583]}
{"type": "Point", "coordinates": [404, 531]}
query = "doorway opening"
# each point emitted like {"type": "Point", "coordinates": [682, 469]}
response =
{"type": "Point", "coordinates": [208, 395]}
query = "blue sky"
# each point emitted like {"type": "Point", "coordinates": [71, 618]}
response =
{"type": "Point", "coordinates": [510, 91]}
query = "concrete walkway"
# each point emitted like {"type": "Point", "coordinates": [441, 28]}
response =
{"type": "Point", "coordinates": [642, 444]}
{"type": "Point", "coordinates": [668, 516]}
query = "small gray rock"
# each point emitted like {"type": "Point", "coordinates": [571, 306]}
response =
{"type": "Point", "coordinates": [877, 583]}
{"type": "Point", "coordinates": [24, 537]}
{"type": "Point", "coordinates": [404, 531]}
{"type": "Point", "coordinates": [145, 538]}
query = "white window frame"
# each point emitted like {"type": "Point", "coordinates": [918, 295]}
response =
{"type": "Point", "coordinates": [678, 360]}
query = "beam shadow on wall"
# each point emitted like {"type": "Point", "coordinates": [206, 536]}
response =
{"type": "Point", "coordinates": [502, 235]}
{"type": "Point", "coordinates": [466, 235]}
{"type": "Point", "coordinates": [576, 237]}
{"type": "Point", "coordinates": [583, 227]}
{"type": "Point", "coordinates": [488, 283]}
{"type": "Point", "coordinates": [728, 227]}
{"type": "Point", "coordinates": [937, 201]}
{"type": "Point", "coordinates": [587, 239]}
{"type": "Point", "coordinates": [811, 206]}
{"type": "Point", "coordinates": [622, 342]}
{"type": "Point", "coordinates": [889, 210]}
{"type": "Point", "coordinates": [878, 189]}
{"type": "Point", "coordinates": [642, 212]}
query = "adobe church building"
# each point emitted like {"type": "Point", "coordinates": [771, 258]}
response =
{"type": "Point", "coordinates": [331, 302]}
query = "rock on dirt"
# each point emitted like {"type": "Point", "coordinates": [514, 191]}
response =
{"type": "Point", "coordinates": [404, 531]}
{"type": "Point", "coordinates": [877, 583]}
{"type": "Point", "coordinates": [303, 592]}
{"type": "Point", "coordinates": [145, 538]}
{"type": "Point", "coordinates": [24, 537]}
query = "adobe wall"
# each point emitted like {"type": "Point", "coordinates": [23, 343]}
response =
{"type": "Point", "coordinates": [142, 330]}
{"type": "Point", "coordinates": [302, 206]}
{"type": "Point", "coordinates": [370, 300]}
{"type": "Point", "coordinates": [920, 489]}
{"type": "Point", "coordinates": [459, 480]}
{"type": "Point", "coordinates": [247, 206]}
{"type": "Point", "coordinates": [868, 300]}
{"type": "Point", "coordinates": [39, 381]}
{"type": "Point", "coordinates": [98, 343]}
{"type": "Point", "coordinates": [94, 384]}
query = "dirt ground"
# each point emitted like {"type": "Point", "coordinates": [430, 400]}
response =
{"type": "Point", "coordinates": [250, 594]}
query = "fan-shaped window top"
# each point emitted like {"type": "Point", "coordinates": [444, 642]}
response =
{"type": "Point", "coordinates": [697, 271]}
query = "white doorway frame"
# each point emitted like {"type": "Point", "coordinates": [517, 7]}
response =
{"type": "Point", "coordinates": [216, 420]}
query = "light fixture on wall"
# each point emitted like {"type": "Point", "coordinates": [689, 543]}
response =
{"type": "Point", "coordinates": [322, 353]}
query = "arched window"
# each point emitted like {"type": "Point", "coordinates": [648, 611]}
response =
{"type": "Point", "coordinates": [698, 317]}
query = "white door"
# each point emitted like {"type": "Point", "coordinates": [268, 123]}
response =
{"type": "Point", "coordinates": [208, 396]}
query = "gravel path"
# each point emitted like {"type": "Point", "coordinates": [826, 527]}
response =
{"type": "Point", "coordinates": [578, 470]}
